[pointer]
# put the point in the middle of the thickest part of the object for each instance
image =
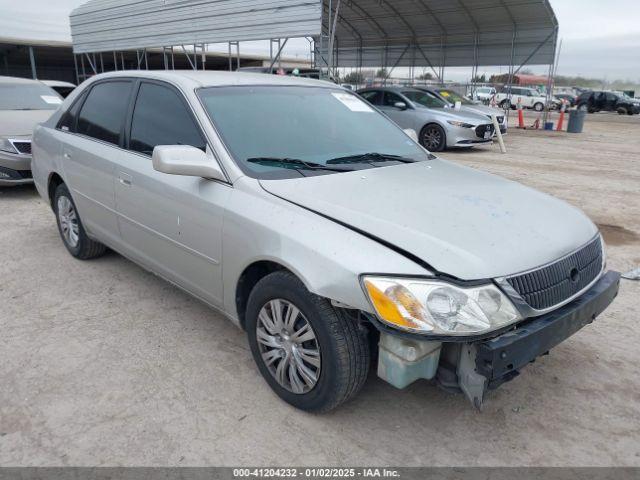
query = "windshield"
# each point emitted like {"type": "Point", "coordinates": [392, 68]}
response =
{"type": "Point", "coordinates": [425, 99]}
{"type": "Point", "coordinates": [28, 96]}
{"type": "Point", "coordinates": [454, 97]}
{"type": "Point", "coordinates": [291, 131]}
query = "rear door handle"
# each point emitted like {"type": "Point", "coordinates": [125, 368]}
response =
{"type": "Point", "coordinates": [125, 179]}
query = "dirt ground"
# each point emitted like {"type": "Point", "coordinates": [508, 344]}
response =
{"type": "Point", "coordinates": [101, 363]}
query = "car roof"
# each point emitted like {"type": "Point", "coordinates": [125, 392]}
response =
{"type": "Point", "coordinates": [57, 83]}
{"type": "Point", "coordinates": [214, 78]}
{"type": "Point", "coordinates": [17, 80]}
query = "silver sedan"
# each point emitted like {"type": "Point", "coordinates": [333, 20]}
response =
{"type": "Point", "coordinates": [317, 225]}
{"type": "Point", "coordinates": [438, 127]}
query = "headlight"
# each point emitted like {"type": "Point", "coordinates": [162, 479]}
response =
{"type": "Point", "coordinates": [439, 308]}
{"type": "Point", "coordinates": [459, 124]}
{"type": "Point", "coordinates": [6, 146]}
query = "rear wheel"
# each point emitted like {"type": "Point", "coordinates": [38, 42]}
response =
{"type": "Point", "coordinates": [433, 138]}
{"type": "Point", "coordinates": [622, 111]}
{"type": "Point", "coordinates": [73, 235]}
{"type": "Point", "coordinates": [505, 104]}
{"type": "Point", "coordinates": [538, 107]}
{"type": "Point", "coordinates": [583, 107]}
{"type": "Point", "coordinates": [312, 355]}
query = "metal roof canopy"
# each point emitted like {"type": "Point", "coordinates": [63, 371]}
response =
{"type": "Point", "coordinates": [346, 33]}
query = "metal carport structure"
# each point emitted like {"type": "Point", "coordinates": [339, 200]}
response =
{"type": "Point", "coordinates": [342, 33]}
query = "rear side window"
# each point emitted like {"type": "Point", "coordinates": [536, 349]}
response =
{"type": "Point", "coordinates": [103, 113]}
{"type": "Point", "coordinates": [160, 117]}
{"type": "Point", "coordinates": [68, 120]}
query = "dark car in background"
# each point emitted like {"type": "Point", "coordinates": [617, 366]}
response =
{"type": "Point", "coordinates": [568, 98]}
{"type": "Point", "coordinates": [600, 101]}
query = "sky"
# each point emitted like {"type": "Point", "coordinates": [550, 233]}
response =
{"type": "Point", "coordinates": [599, 39]}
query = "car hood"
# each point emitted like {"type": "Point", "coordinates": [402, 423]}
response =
{"type": "Point", "coordinates": [463, 222]}
{"type": "Point", "coordinates": [456, 115]}
{"type": "Point", "coordinates": [483, 110]}
{"type": "Point", "coordinates": [21, 122]}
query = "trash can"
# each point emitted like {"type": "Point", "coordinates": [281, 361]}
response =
{"type": "Point", "coordinates": [576, 121]}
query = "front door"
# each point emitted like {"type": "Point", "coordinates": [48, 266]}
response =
{"type": "Point", "coordinates": [170, 223]}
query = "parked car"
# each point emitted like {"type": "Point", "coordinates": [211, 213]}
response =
{"type": "Point", "coordinates": [438, 127]}
{"type": "Point", "coordinates": [525, 97]}
{"type": "Point", "coordinates": [596, 101]}
{"type": "Point", "coordinates": [483, 94]}
{"type": "Point", "coordinates": [451, 97]}
{"type": "Point", "coordinates": [327, 233]}
{"type": "Point", "coordinates": [569, 99]}
{"type": "Point", "coordinates": [63, 88]}
{"type": "Point", "coordinates": [23, 104]}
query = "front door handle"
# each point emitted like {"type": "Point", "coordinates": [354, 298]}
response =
{"type": "Point", "coordinates": [125, 179]}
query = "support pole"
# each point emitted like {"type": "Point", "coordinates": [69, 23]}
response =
{"type": "Point", "coordinates": [277, 57]}
{"type": "Point", "coordinates": [32, 60]}
{"type": "Point", "coordinates": [75, 67]}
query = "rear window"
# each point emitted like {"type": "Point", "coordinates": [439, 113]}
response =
{"type": "Point", "coordinates": [103, 113]}
{"type": "Point", "coordinates": [28, 96]}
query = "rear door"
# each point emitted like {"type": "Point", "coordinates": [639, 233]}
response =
{"type": "Point", "coordinates": [170, 223]}
{"type": "Point", "coordinates": [95, 127]}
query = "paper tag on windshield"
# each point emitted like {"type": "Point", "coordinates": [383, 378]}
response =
{"type": "Point", "coordinates": [51, 99]}
{"type": "Point", "coordinates": [352, 102]}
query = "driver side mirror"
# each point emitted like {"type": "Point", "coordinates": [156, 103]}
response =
{"type": "Point", "coordinates": [185, 160]}
{"type": "Point", "coordinates": [400, 105]}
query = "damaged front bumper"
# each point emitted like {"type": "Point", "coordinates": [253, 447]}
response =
{"type": "Point", "coordinates": [475, 366]}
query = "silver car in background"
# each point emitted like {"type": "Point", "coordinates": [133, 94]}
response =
{"type": "Point", "coordinates": [317, 225]}
{"type": "Point", "coordinates": [437, 126]}
{"type": "Point", "coordinates": [452, 97]}
{"type": "Point", "coordinates": [23, 104]}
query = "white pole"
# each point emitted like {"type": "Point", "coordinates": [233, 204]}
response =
{"type": "Point", "coordinates": [494, 120]}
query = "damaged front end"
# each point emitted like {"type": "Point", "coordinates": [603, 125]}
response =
{"type": "Point", "coordinates": [476, 365]}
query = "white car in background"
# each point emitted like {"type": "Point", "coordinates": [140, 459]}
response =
{"type": "Point", "coordinates": [525, 97]}
{"type": "Point", "coordinates": [483, 94]}
{"type": "Point", "coordinates": [23, 105]}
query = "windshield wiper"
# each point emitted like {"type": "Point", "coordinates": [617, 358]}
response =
{"type": "Point", "coordinates": [295, 163]}
{"type": "Point", "coordinates": [369, 158]}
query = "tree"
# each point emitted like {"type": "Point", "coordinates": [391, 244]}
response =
{"type": "Point", "coordinates": [382, 73]}
{"type": "Point", "coordinates": [425, 76]}
{"type": "Point", "coordinates": [354, 78]}
{"type": "Point", "coordinates": [479, 79]}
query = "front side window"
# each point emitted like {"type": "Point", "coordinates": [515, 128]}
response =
{"type": "Point", "coordinates": [103, 113]}
{"type": "Point", "coordinates": [28, 96]}
{"type": "Point", "coordinates": [425, 99]}
{"type": "Point", "coordinates": [263, 124]}
{"type": "Point", "coordinates": [390, 99]}
{"type": "Point", "coordinates": [160, 117]}
{"type": "Point", "coordinates": [374, 97]}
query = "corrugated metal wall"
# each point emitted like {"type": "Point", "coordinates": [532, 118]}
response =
{"type": "Point", "coordinates": [105, 25]}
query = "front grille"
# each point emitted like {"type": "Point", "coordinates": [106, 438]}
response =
{"type": "Point", "coordinates": [555, 283]}
{"type": "Point", "coordinates": [22, 146]}
{"type": "Point", "coordinates": [481, 129]}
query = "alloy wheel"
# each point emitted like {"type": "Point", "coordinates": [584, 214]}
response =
{"type": "Point", "coordinates": [432, 138]}
{"type": "Point", "coordinates": [68, 221]}
{"type": "Point", "coordinates": [288, 346]}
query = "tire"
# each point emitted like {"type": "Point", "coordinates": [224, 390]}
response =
{"type": "Point", "coordinates": [343, 354]}
{"type": "Point", "coordinates": [583, 107]}
{"type": "Point", "coordinates": [433, 138]}
{"type": "Point", "coordinates": [622, 111]}
{"type": "Point", "coordinates": [504, 104]}
{"type": "Point", "coordinates": [538, 107]}
{"type": "Point", "coordinates": [70, 227]}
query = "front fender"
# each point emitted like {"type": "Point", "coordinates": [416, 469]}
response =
{"type": "Point", "coordinates": [327, 257]}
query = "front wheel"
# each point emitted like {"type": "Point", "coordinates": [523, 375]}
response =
{"type": "Point", "coordinates": [312, 355]}
{"type": "Point", "coordinates": [538, 107]}
{"type": "Point", "coordinates": [433, 138]}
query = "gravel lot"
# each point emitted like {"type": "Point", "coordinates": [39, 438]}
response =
{"type": "Point", "coordinates": [101, 363]}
